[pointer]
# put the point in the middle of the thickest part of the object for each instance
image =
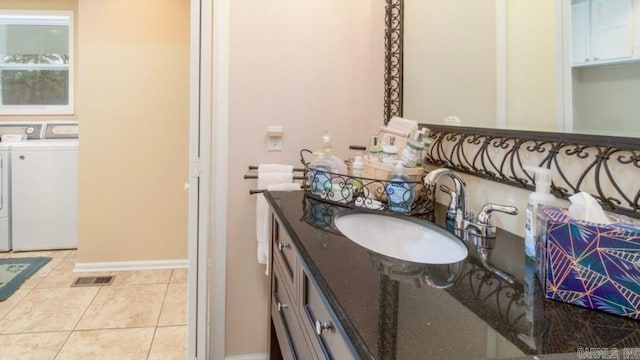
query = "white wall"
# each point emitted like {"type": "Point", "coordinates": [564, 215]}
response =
{"type": "Point", "coordinates": [309, 66]}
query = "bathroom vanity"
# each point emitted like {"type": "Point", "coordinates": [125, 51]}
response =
{"type": "Point", "coordinates": [333, 299]}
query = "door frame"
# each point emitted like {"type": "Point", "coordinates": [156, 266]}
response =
{"type": "Point", "coordinates": [208, 155]}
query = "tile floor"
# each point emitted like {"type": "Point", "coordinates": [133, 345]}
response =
{"type": "Point", "coordinates": [141, 315]}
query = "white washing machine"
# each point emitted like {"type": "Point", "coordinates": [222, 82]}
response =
{"type": "Point", "coordinates": [25, 131]}
{"type": "Point", "coordinates": [5, 214]}
{"type": "Point", "coordinates": [44, 194]}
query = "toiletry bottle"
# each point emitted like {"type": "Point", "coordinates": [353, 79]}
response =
{"type": "Point", "coordinates": [413, 151]}
{"type": "Point", "coordinates": [390, 152]}
{"type": "Point", "coordinates": [318, 176]}
{"type": "Point", "coordinates": [375, 150]}
{"type": "Point", "coordinates": [338, 165]}
{"type": "Point", "coordinates": [426, 142]}
{"type": "Point", "coordinates": [357, 169]}
{"type": "Point", "coordinates": [400, 189]}
{"type": "Point", "coordinates": [540, 197]}
{"type": "Point", "coordinates": [356, 150]}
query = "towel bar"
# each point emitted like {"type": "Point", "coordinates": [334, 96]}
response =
{"type": "Point", "coordinates": [252, 176]}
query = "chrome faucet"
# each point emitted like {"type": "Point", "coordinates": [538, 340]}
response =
{"type": "Point", "coordinates": [457, 212]}
{"type": "Point", "coordinates": [479, 228]}
{"type": "Point", "coordinates": [458, 206]}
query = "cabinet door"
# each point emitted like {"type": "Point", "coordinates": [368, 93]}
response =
{"type": "Point", "coordinates": [321, 324]}
{"type": "Point", "coordinates": [284, 254]}
{"type": "Point", "coordinates": [292, 340]}
{"type": "Point", "coordinates": [611, 30]}
{"type": "Point", "coordinates": [580, 28]}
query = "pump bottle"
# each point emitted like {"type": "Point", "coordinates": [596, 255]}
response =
{"type": "Point", "coordinates": [400, 189]}
{"type": "Point", "coordinates": [541, 196]}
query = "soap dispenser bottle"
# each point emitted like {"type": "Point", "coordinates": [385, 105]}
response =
{"type": "Point", "coordinates": [337, 164]}
{"type": "Point", "coordinates": [400, 189]}
{"type": "Point", "coordinates": [318, 175]}
{"type": "Point", "coordinates": [541, 196]}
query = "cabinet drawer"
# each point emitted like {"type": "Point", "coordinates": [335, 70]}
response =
{"type": "Point", "coordinates": [284, 253]}
{"type": "Point", "coordinates": [291, 338]}
{"type": "Point", "coordinates": [320, 324]}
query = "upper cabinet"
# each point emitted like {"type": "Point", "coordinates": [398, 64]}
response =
{"type": "Point", "coordinates": [604, 31]}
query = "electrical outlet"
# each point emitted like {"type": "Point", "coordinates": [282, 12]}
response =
{"type": "Point", "coordinates": [274, 143]}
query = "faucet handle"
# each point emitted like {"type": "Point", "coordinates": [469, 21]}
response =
{"type": "Point", "coordinates": [484, 216]}
{"type": "Point", "coordinates": [453, 204]}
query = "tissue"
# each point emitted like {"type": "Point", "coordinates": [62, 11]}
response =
{"type": "Point", "coordinates": [585, 207]}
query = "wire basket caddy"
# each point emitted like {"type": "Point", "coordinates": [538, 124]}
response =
{"type": "Point", "coordinates": [350, 191]}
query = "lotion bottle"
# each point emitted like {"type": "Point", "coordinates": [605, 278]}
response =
{"type": "Point", "coordinates": [411, 153]}
{"type": "Point", "coordinates": [390, 151]}
{"type": "Point", "coordinates": [541, 196]}
{"type": "Point", "coordinates": [357, 169]}
{"type": "Point", "coordinates": [400, 189]}
{"type": "Point", "coordinates": [375, 150]}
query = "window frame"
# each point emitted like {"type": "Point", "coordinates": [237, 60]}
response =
{"type": "Point", "coordinates": [35, 109]}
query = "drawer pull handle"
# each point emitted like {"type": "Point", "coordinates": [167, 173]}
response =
{"type": "Point", "coordinates": [282, 246]}
{"type": "Point", "coordinates": [282, 306]}
{"type": "Point", "coordinates": [322, 327]}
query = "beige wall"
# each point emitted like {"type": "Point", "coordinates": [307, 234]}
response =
{"type": "Point", "coordinates": [450, 61]}
{"type": "Point", "coordinates": [531, 65]}
{"type": "Point", "coordinates": [309, 66]}
{"type": "Point", "coordinates": [44, 5]}
{"type": "Point", "coordinates": [605, 99]}
{"type": "Point", "coordinates": [133, 73]}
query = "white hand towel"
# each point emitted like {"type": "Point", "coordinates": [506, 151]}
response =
{"type": "Point", "coordinates": [266, 179]}
{"type": "Point", "coordinates": [265, 235]}
{"type": "Point", "coordinates": [274, 168]}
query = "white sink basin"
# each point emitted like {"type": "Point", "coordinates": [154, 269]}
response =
{"type": "Point", "coordinates": [403, 238]}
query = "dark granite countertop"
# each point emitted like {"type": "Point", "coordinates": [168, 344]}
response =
{"type": "Point", "coordinates": [391, 310]}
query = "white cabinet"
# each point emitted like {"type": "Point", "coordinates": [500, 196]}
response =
{"type": "Point", "coordinates": [603, 31]}
{"type": "Point", "coordinates": [636, 27]}
{"type": "Point", "coordinates": [580, 33]}
{"type": "Point", "coordinates": [611, 29]}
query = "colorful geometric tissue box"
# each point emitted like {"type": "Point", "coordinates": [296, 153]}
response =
{"type": "Point", "coordinates": [592, 265]}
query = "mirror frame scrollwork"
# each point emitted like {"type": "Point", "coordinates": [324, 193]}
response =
{"type": "Point", "coordinates": [393, 43]}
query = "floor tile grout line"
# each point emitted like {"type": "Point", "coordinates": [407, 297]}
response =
{"type": "Point", "coordinates": [164, 299]}
{"type": "Point", "coordinates": [63, 345]}
{"type": "Point", "coordinates": [153, 338]}
{"type": "Point", "coordinates": [87, 308]}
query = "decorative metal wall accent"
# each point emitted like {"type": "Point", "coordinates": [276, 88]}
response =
{"type": "Point", "coordinates": [606, 167]}
{"type": "Point", "coordinates": [393, 59]}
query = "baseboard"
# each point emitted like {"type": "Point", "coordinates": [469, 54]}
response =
{"type": "Point", "coordinates": [247, 357]}
{"type": "Point", "coordinates": [131, 265]}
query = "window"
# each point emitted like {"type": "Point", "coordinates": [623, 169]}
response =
{"type": "Point", "coordinates": [36, 57]}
